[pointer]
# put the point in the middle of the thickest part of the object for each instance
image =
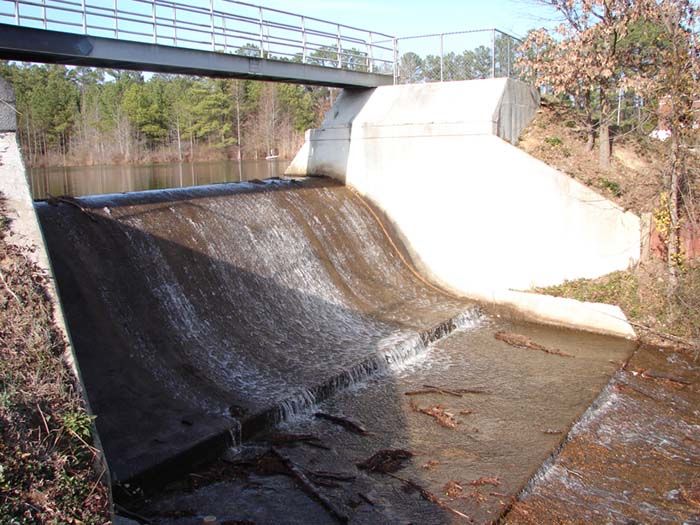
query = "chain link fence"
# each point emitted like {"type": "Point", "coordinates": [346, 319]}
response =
{"type": "Point", "coordinates": [463, 55]}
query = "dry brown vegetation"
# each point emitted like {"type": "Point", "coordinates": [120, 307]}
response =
{"type": "Point", "coordinates": [634, 181]}
{"type": "Point", "coordinates": [48, 466]}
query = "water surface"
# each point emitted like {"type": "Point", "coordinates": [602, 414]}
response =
{"type": "Point", "coordinates": [77, 181]}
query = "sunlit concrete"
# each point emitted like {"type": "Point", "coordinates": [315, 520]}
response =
{"type": "Point", "coordinates": [479, 215]}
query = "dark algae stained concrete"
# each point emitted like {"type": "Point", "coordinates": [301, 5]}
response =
{"type": "Point", "coordinates": [520, 406]}
{"type": "Point", "coordinates": [202, 314]}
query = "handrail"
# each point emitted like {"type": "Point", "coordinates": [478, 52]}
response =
{"type": "Point", "coordinates": [221, 26]}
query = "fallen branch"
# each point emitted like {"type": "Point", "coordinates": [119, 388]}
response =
{"type": "Point", "coordinates": [485, 481]}
{"type": "Point", "coordinates": [9, 290]}
{"type": "Point", "coordinates": [292, 439]}
{"type": "Point", "coordinates": [429, 496]}
{"type": "Point", "coordinates": [347, 424]}
{"type": "Point", "coordinates": [442, 417]}
{"type": "Point", "coordinates": [386, 461]}
{"type": "Point", "coordinates": [429, 389]}
{"type": "Point", "coordinates": [308, 486]}
{"type": "Point", "coordinates": [521, 341]}
{"type": "Point", "coordinates": [665, 335]}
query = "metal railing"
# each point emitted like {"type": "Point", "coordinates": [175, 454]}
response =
{"type": "Point", "coordinates": [462, 55]}
{"type": "Point", "coordinates": [222, 26]}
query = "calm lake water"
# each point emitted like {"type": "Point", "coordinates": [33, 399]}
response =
{"type": "Point", "coordinates": [91, 180]}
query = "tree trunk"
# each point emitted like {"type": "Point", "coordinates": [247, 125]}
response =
{"type": "Point", "coordinates": [604, 133]}
{"type": "Point", "coordinates": [673, 247]}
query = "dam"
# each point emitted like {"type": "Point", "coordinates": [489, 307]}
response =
{"type": "Point", "coordinates": [348, 343]}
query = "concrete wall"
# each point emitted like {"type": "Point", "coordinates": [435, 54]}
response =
{"type": "Point", "coordinates": [478, 215]}
{"type": "Point", "coordinates": [24, 229]}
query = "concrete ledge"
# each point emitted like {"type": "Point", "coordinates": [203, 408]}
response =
{"type": "Point", "coordinates": [596, 318]}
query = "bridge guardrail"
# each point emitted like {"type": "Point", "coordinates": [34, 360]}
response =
{"type": "Point", "coordinates": [225, 26]}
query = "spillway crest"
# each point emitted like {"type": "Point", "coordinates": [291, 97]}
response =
{"type": "Point", "coordinates": [197, 313]}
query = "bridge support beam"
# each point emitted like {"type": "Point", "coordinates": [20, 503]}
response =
{"type": "Point", "coordinates": [55, 47]}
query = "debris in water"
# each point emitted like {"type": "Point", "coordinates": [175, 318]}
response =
{"type": "Point", "coordinates": [691, 493]}
{"type": "Point", "coordinates": [443, 417]}
{"type": "Point", "coordinates": [458, 392]}
{"type": "Point", "coordinates": [307, 485]}
{"type": "Point", "coordinates": [346, 423]}
{"type": "Point", "coordinates": [429, 496]}
{"type": "Point", "coordinates": [366, 499]}
{"type": "Point", "coordinates": [292, 439]}
{"type": "Point", "coordinates": [650, 374]}
{"type": "Point", "coordinates": [386, 461]}
{"type": "Point", "coordinates": [465, 412]}
{"type": "Point", "coordinates": [552, 431]}
{"type": "Point", "coordinates": [431, 464]}
{"type": "Point", "coordinates": [522, 341]}
{"type": "Point", "coordinates": [453, 489]}
{"type": "Point", "coordinates": [485, 481]}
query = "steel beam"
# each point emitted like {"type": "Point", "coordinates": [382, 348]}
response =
{"type": "Point", "coordinates": [55, 47]}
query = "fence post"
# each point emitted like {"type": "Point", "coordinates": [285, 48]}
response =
{"type": "Point", "coordinates": [370, 47]}
{"type": "Point", "coordinates": [17, 12]}
{"type": "Point", "coordinates": [442, 57]}
{"type": "Point", "coordinates": [155, 22]}
{"type": "Point", "coordinates": [340, 56]}
{"type": "Point", "coordinates": [116, 20]}
{"type": "Point", "coordinates": [262, 47]}
{"type": "Point", "coordinates": [211, 25]}
{"type": "Point", "coordinates": [493, 53]}
{"type": "Point", "coordinates": [303, 40]}
{"type": "Point", "coordinates": [510, 47]}
{"type": "Point", "coordinates": [395, 45]}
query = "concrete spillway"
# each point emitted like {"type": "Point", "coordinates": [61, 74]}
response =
{"type": "Point", "coordinates": [202, 314]}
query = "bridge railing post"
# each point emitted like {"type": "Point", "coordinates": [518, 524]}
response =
{"type": "Point", "coordinates": [155, 22]}
{"type": "Point", "coordinates": [260, 20]}
{"type": "Point", "coordinates": [340, 57]}
{"type": "Point", "coordinates": [17, 12]}
{"type": "Point", "coordinates": [84, 16]}
{"type": "Point", "coordinates": [303, 40]}
{"type": "Point", "coordinates": [116, 19]}
{"type": "Point", "coordinates": [395, 44]}
{"type": "Point", "coordinates": [211, 25]}
{"type": "Point", "coordinates": [370, 46]}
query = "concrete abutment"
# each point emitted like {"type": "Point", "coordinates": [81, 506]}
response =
{"type": "Point", "coordinates": [478, 215]}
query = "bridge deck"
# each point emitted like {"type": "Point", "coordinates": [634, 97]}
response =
{"type": "Point", "coordinates": [41, 45]}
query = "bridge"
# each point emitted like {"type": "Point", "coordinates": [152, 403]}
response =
{"type": "Point", "coordinates": [217, 38]}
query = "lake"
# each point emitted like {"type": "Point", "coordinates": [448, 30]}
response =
{"type": "Point", "coordinates": [76, 181]}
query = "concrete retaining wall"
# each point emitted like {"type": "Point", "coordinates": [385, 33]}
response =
{"type": "Point", "coordinates": [479, 216]}
{"type": "Point", "coordinates": [24, 230]}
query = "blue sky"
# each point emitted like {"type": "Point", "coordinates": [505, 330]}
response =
{"type": "Point", "coordinates": [416, 17]}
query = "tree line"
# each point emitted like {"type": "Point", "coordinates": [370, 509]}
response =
{"type": "Point", "coordinates": [87, 116]}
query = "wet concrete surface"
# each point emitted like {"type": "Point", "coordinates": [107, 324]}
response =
{"type": "Point", "coordinates": [502, 435]}
{"type": "Point", "coordinates": [206, 314]}
{"type": "Point", "coordinates": [635, 456]}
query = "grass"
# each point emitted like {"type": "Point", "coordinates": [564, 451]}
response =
{"type": "Point", "coordinates": [642, 295]}
{"type": "Point", "coordinates": [49, 470]}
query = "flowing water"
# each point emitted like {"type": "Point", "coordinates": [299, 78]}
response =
{"type": "Point", "coordinates": [220, 315]}
{"type": "Point", "coordinates": [77, 181]}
